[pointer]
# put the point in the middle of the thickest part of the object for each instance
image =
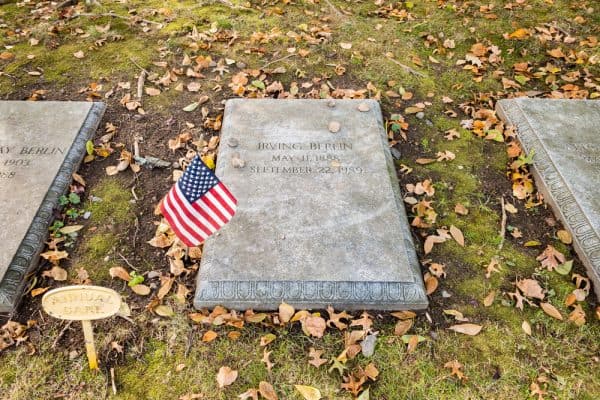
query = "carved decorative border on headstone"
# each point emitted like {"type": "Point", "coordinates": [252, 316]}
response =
{"type": "Point", "coordinates": [27, 255]}
{"type": "Point", "coordinates": [311, 294]}
{"type": "Point", "coordinates": [556, 192]}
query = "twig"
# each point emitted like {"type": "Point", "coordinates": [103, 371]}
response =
{"type": "Point", "coordinates": [334, 9]}
{"type": "Point", "coordinates": [190, 341]}
{"type": "Point", "coordinates": [140, 85]}
{"type": "Point", "coordinates": [112, 380]}
{"type": "Point", "coordinates": [502, 224]}
{"type": "Point", "coordinates": [113, 15]}
{"type": "Point", "coordinates": [139, 66]}
{"type": "Point", "coordinates": [406, 67]}
{"type": "Point", "coordinates": [127, 262]}
{"type": "Point", "coordinates": [61, 334]}
{"type": "Point", "coordinates": [276, 61]}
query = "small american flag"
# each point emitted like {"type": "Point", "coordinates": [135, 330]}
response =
{"type": "Point", "coordinates": [198, 204]}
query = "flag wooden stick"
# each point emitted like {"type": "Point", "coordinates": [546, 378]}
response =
{"type": "Point", "coordinates": [90, 347]}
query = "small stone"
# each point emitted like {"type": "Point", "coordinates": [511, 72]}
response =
{"type": "Point", "coordinates": [420, 115]}
{"type": "Point", "coordinates": [87, 215]}
{"type": "Point", "coordinates": [368, 345]}
{"type": "Point", "coordinates": [232, 142]}
{"type": "Point", "coordinates": [334, 127]}
{"type": "Point", "coordinates": [331, 103]}
{"type": "Point", "coordinates": [445, 294]}
{"type": "Point", "coordinates": [237, 162]}
{"type": "Point", "coordinates": [396, 153]}
{"type": "Point", "coordinates": [363, 107]}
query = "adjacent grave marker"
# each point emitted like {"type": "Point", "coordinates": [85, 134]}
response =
{"type": "Point", "coordinates": [565, 136]}
{"type": "Point", "coordinates": [41, 145]}
{"type": "Point", "coordinates": [83, 303]}
{"type": "Point", "coordinates": [319, 220]}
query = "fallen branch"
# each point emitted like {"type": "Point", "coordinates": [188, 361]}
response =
{"type": "Point", "coordinates": [61, 334]}
{"type": "Point", "coordinates": [406, 67]}
{"type": "Point", "coordinates": [502, 224]}
{"type": "Point", "coordinates": [334, 9]}
{"type": "Point", "coordinates": [140, 85]}
{"type": "Point", "coordinates": [276, 61]}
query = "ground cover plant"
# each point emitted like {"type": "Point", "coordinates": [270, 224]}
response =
{"type": "Point", "coordinates": [512, 313]}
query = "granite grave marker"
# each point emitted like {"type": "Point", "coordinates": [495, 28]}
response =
{"type": "Point", "coordinates": [565, 138]}
{"type": "Point", "coordinates": [41, 145]}
{"type": "Point", "coordinates": [319, 221]}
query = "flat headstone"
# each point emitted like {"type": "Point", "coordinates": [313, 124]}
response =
{"type": "Point", "coordinates": [565, 136]}
{"type": "Point", "coordinates": [319, 220]}
{"type": "Point", "coordinates": [41, 145]}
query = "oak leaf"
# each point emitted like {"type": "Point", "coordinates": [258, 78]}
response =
{"type": "Point", "coordinates": [315, 357]}
{"type": "Point", "coordinates": [531, 288]}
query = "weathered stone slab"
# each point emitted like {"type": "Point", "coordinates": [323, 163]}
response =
{"type": "Point", "coordinates": [41, 145]}
{"type": "Point", "coordinates": [565, 135]}
{"type": "Point", "coordinates": [319, 220]}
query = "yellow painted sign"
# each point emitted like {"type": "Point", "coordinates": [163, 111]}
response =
{"type": "Point", "coordinates": [81, 302]}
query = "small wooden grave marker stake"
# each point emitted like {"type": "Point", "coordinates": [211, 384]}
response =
{"type": "Point", "coordinates": [83, 303]}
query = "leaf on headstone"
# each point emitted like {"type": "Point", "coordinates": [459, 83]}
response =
{"type": "Point", "coordinates": [57, 273]}
{"type": "Point", "coordinates": [163, 310]}
{"type": "Point", "coordinates": [266, 390]}
{"type": "Point", "coordinates": [551, 310]}
{"type": "Point", "coordinates": [308, 392]}
{"type": "Point", "coordinates": [467, 329]}
{"type": "Point", "coordinates": [564, 236]}
{"type": "Point", "coordinates": [334, 127]}
{"type": "Point", "coordinates": [119, 272]}
{"type": "Point", "coordinates": [285, 312]}
{"type": "Point", "coordinates": [226, 376]}
{"type": "Point", "coordinates": [209, 336]}
{"type": "Point", "coordinates": [457, 235]}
